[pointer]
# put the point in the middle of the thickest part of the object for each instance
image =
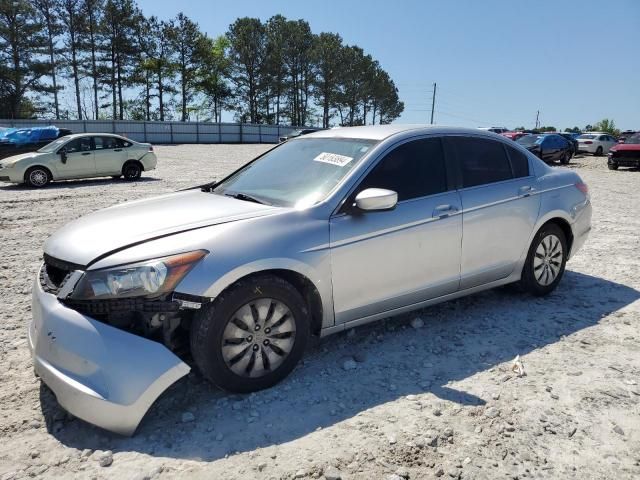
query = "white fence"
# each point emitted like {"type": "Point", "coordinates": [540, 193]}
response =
{"type": "Point", "coordinates": [167, 132]}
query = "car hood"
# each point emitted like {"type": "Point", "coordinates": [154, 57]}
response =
{"type": "Point", "coordinates": [620, 147]}
{"type": "Point", "coordinates": [9, 161]}
{"type": "Point", "coordinates": [100, 233]}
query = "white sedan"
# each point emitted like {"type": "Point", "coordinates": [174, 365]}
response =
{"type": "Point", "coordinates": [82, 155]}
{"type": "Point", "coordinates": [597, 143]}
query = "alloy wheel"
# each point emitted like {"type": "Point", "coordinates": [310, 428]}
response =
{"type": "Point", "coordinates": [258, 337]}
{"type": "Point", "coordinates": [547, 260]}
{"type": "Point", "coordinates": [38, 178]}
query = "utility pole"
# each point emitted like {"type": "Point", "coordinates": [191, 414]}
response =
{"type": "Point", "coordinates": [433, 101]}
{"type": "Point", "coordinates": [537, 116]}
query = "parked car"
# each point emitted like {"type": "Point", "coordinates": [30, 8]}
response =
{"type": "Point", "coordinates": [626, 134]}
{"type": "Point", "coordinates": [513, 135]}
{"type": "Point", "coordinates": [572, 139]}
{"type": "Point", "coordinates": [495, 129]}
{"type": "Point", "coordinates": [23, 140]}
{"type": "Point", "coordinates": [549, 147]}
{"type": "Point", "coordinates": [82, 155]}
{"type": "Point", "coordinates": [597, 143]}
{"type": "Point", "coordinates": [297, 133]}
{"type": "Point", "coordinates": [322, 233]}
{"type": "Point", "coordinates": [625, 154]}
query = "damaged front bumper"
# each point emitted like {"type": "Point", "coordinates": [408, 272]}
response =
{"type": "Point", "coordinates": [99, 373]}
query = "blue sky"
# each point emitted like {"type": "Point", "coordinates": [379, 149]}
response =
{"type": "Point", "coordinates": [495, 62]}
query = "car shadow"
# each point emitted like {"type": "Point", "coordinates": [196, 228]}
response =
{"type": "Point", "coordinates": [77, 183]}
{"type": "Point", "coordinates": [459, 339]}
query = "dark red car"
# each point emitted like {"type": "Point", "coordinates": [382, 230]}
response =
{"type": "Point", "coordinates": [513, 135]}
{"type": "Point", "coordinates": [625, 154]}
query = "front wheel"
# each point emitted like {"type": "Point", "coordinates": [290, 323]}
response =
{"type": "Point", "coordinates": [545, 261]}
{"type": "Point", "coordinates": [251, 336]}
{"type": "Point", "coordinates": [37, 177]}
{"type": "Point", "coordinates": [566, 158]}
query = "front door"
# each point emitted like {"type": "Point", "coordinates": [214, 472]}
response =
{"type": "Point", "coordinates": [389, 259]}
{"type": "Point", "coordinates": [79, 161]}
{"type": "Point", "coordinates": [499, 206]}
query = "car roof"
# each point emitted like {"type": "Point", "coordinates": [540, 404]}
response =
{"type": "Point", "coordinates": [93, 134]}
{"type": "Point", "coordinates": [382, 132]}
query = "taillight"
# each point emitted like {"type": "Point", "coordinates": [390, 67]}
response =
{"type": "Point", "coordinates": [588, 142]}
{"type": "Point", "coordinates": [580, 185]}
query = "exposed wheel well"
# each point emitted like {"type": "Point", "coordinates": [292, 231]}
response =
{"type": "Point", "coordinates": [306, 288]}
{"type": "Point", "coordinates": [566, 229]}
{"type": "Point", "coordinates": [26, 173]}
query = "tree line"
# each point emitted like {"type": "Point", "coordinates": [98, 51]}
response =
{"type": "Point", "coordinates": [104, 59]}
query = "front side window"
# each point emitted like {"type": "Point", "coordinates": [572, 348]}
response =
{"type": "Point", "coordinates": [481, 160]}
{"type": "Point", "coordinates": [412, 170]}
{"type": "Point", "coordinates": [82, 144]}
{"type": "Point", "coordinates": [299, 173]}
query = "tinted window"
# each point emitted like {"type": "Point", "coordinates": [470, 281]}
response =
{"type": "Point", "coordinates": [82, 144]}
{"type": "Point", "coordinates": [414, 169]}
{"type": "Point", "coordinates": [107, 143]}
{"type": "Point", "coordinates": [482, 161]}
{"type": "Point", "coordinates": [519, 162]}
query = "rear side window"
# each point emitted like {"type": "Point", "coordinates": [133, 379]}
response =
{"type": "Point", "coordinates": [481, 160]}
{"type": "Point", "coordinates": [412, 170]}
{"type": "Point", "coordinates": [519, 162]}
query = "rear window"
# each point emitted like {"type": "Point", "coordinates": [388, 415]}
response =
{"type": "Point", "coordinates": [519, 162]}
{"type": "Point", "coordinates": [482, 161]}
{"type": "Point", "coordinates": [587, 137]}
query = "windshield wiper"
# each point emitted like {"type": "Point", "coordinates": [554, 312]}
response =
{"type": "Point", "coordinates": [245, 197]}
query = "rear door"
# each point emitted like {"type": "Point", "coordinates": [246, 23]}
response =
{"type": "Point", "coordinates": [80, 160]}
{"type": "Point", "coordinates": [110, 155]}
{"type": "Point", "coordinates": [499, 210]}
{"type": "Point", "coordinates": [389, 259]}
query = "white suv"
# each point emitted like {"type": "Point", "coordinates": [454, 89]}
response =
{"type": "Point", "coordinates": [82, 155]}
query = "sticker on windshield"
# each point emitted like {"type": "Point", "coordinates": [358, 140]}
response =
{"type": "Point", "coordinates": [333, 159]}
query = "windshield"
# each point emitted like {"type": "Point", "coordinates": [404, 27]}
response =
{"type": "Point", "coordinates": [53, 146]}
{"type": "Point", "coordinates": [589, 137]}
{"type": "Point", "coordinates": [297, 174]}
{"type": "Point", "coordinates": [529, 140]}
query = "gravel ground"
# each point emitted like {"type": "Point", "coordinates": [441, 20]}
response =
{"type": "Point", "coordinates": [426, 395]}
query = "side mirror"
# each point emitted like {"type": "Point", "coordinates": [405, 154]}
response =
{"type": "Point", "coordinates": [374, 199]}
{"type": "Point", "coordinates": [63, 154]}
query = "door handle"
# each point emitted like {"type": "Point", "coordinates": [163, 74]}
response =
{"type": "Point", "coordinates": [86, 153]}
{"type": "Point", "coordinates": [443, 211]}
{"type": "Point", "coordinates": [525, 191]}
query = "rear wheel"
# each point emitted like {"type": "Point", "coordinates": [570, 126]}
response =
{"type": "Point", "coordinates": [132, 170]}
{"type": "Point", "coordinates": [37, 177]}
{"type": "Point", "coordinates": [252, 336]}
{"type": "Point", "coordinates": [545, 261]}
{"type": "Point", "coordinates": [599, 151]}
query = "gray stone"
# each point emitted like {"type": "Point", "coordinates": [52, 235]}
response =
{"type": "Point", "coordinates": [492, 412]}
{"type": "Point", "coordinates": [618, 430]}
{"type": "Point", "coordinates": [332, 473]}
{"type": "Point", "coordinates": [417, 323]}
{"type": "Point", "coordinates": [349, 364]}
{"type": "Point", "coordinates": [106, 458]}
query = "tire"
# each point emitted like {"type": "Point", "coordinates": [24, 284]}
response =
{"type": "Point", "coordinates": [37, 177]}
{"type": "Point", "coordinates": [220, 331]}
{"type": "Point", "coordinates": [566, 158]}
{"type": "Point", "coordinates": [612, 166]}
{"type": "Point", "coordinates": [132, 170]}
{"type": "Point", "coordinates": [541, 275]}
{"type": "Point", "coordinates": [598, 151]}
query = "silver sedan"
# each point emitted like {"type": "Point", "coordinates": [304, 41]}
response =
{"type": "Point", "coordinates": [322, 233]}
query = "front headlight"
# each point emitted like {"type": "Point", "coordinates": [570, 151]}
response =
{"type": "Point", "coordinates": [149, 279]}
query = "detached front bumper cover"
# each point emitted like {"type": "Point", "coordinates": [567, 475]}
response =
{"type": "Point", "coordinates": [101, 374]}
